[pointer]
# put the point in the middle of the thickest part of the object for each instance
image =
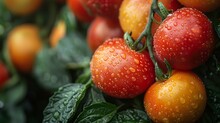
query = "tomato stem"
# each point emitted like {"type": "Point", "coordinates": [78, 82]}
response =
{"type": "Point", "coordinates": [160, 75]}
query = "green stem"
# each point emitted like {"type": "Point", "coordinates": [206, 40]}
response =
{"type": "Point", "coordinates": [147, 33]}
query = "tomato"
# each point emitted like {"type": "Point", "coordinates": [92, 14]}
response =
{"type": "Point", "coordinates": [58, 32]}
{"type": "Point", "coordinates": [22, 7]}
{"type": "Point", "coordinates": [79, 10]}
{"type": "Point", "coordinates": [4, 75]}
{"type": "Point", "coordinates": [133, 15]}
{"type": "Point", "coordinates": [202, 5]}
{"type": "Point", "coordinates": [119, 71]}
{"type": "Point", "coordinates": [102, 29]}
{"type": "Point", "coordinates": [180, 99]}
{"type": "Point", "coordinates": [105, 8]}
{"type": "Point", "coordinates": [24, 42]}
{"type": "Point", "coordinates": [185, 39]}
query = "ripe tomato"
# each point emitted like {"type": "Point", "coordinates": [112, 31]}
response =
{"type": "Point", "coordinates": [4, 75]}
{"type": "Point", "coordinates": [106, 8]}
{"type": "Point", "coordinates": [22, 7]}
{"type": "Point", "coordinates": [185, 39]}
{"type": "Point", "coordinates": [102, 29]}
{"type": "Point", "coordinates": [119, 71]}
{"type": "Point", "coordinates": [133, 15]}
{"type": "Point", "coordinates": [23, 43]}
{"type": "Point", "coordinates": [180, 99]}
{"type": "Point", "coordinates": [57, 33]}
{"type": "Point", "coordinates": [202, 5]}
{"type": "Point", "coordinates": [79, 10]}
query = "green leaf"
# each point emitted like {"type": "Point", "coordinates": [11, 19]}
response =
{"type": "Point", "coordinates": [210, 75]}
{"type": "Point", "coordinates": [131, 116]}
{"type": "Point", "coordinates": [49, 71]}
{"type": "Point", "coordinates": [216, 21]}
{"type": "Point", "coordinates": [69, 18]}
{"type": "Point", "coordinates": [14, 94]}
{"type": "Point", "coordinates": [63, 104]}
{"type": "Point", "coordinates": [17, 115]}
{"type": "Point", "coordinates": [94, 96]}
{"type": "Point", "coordinates": [97, 113]}
{"type": "Point", "coordinates": [73, 49]}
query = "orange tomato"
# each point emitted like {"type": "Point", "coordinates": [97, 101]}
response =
{"type": "Point", "coordinates": [181, 98]}
{"type": "Point", "coordinates": [57, 33]}
{"type": "Point", "coordinates": [133, 15]}
{"type": "Point", "coordinates": [24, 42]}
{"type": "Point", "coordinates": [22, 7]}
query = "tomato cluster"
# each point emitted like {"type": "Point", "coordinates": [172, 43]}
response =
{"type": "Point", "coordinates": [140, 48]}
{"type": "Point", "coordinates": [185, 39]}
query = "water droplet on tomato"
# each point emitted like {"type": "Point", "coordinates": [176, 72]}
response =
{"type": "Point", "coordinates": [136, 61]}
{"type": "Point", "coordinates": [112, 75]}
{"type": "Point", "coordinates": [132, 69]}
{"type": "Point", "coordinates": [105, 58]}
{"type": "Point", "coordinates": [196, 29]}
{"type": "Point", "coordinates": [133, 78]}
{"type": "Point", "coordinates": [179, 16]}
{"type": "Point", "coordinates": [200, 96]}
{"type": "Point", "coordinates": [182, 100]}
{"type": "Point", "coordinates": [111, 50]}
{"type": "Point", "coordinates": [175, 24]}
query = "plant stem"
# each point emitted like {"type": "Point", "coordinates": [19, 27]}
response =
{"type": "Point", "coordinates": [148, 44]}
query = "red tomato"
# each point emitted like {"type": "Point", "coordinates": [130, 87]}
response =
{"type": "Point", "coordinates": [22, 7]}
{"type": "Point", "coordinates": [80, 11]}
{"type": "Point", "coordinates": [133, 15]}
{"type": "Point", "coordinates": [185, 39]}
{"type": "Point", "coordinates": [4, 75]}
{"type": "Point", "coordinates": [102, 29]}
{"type": "Point", "coordinates": [180, 99]}
{"type": "Point", "coordinates": [202, 5]}
{"type": "Point", "coordinates": [24, 42]}
{"type": "Point", "coordinates": [106, 8]}
{"type": "Point", "coordinates": [119, 71]}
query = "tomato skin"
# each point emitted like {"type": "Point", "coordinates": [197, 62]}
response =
{"type": "Point", "coordinates": [4, 75]}
{"type": "Point", "coordinates": [181, 98]}
{"type": "Point", "coordinates": [22, 7]}
{"type": "Point", "coordinates": [185, 39]}
{"type": "Point", "coordinates": [58, 32]}
{"type": "Point", "coordinates": [133, 15]}
{"type": "Point", "coordinates": [202, 5]}
{"type": "Point", "coordinates": [119, 71]}
{"type": "Point", "coordinates": [102, 29]}
{"type": "Point", "coordinates": [105, 8]}
{"type": "Point", "coordinates": [80, 11]}
{"type": "Point", "coordinates": [24, 43]}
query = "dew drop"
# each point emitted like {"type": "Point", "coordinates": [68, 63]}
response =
{"type": "Point", "coordinates": [182, 100]}
{"type": "Point", "coordinates": [136, 61]}
{"type": "Point", "coordinates": [165, 120]}
{"type": "Point", "coordinates": [196, 29]}
{"type": "Point", "coordinates": [105, 58]}
{"type": "Point", "coordinates": [112, 75]}
{"type": "Point", "coordinates": [133, 78]}
{"type": "Point", "coordinates": [179, 16]}
{"type": "Point", "coordinates": [123, 56]}
{"type": "Point", "coordinates": [175, 24]}
{"type": "Point", "coordinates": [170, 88]}
{"type": "Point", "coordinates": [132, 69]}
{"type": "Point", "coordinates": [200, 96]}
{"type": "Point", "coordinates": [111, 50]}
